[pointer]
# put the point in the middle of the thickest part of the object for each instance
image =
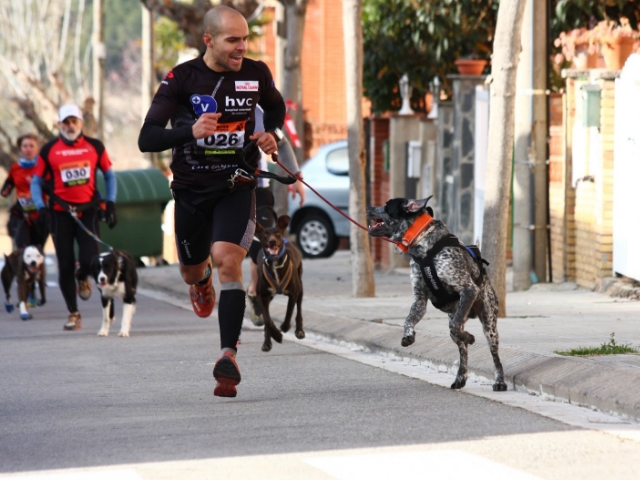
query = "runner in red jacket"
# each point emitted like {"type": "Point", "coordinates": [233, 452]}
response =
{"type": "Point", "coordinates": [23, 216]}
{"type": "Point", "coordinates": [71, 162]}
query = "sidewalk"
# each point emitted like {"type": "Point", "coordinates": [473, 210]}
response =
{"type": "Point", "coordinates": [546, 318]}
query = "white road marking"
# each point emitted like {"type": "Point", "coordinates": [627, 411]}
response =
{"type": "Point", "coordinates": [89, 474]}
{"type": "Point", "coordinates": [438, 464]}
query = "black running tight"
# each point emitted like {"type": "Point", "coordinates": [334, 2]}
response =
{"type": "Point", "coordinates": [64, 231]}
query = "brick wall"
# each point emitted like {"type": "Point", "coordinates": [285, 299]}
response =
{"type": "Point", "coordinates": [557, 188]}
{"type": "Point", "coordinates": [323, 77]}
{"type": "Point", "coordinates": [589, 200]}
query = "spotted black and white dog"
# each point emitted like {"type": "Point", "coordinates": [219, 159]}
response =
{"type": "Point", "coordinates": [28, 268]}
{"type": "Point", "coordinates": [444, 271]}
{"type": "Point", "coordinates": [116, 276]}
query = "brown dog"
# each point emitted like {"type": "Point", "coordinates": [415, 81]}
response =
{"type": "Point", "coordinates": [28, 268]}
{"type": "Point", "coordinates": [279, 272]}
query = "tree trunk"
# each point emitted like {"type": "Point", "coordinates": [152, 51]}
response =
{"type": "Point", "coordinates": [295, 12]}
{"type": "Point", "coordinates": [506, 49]}
{"type": "Point", "coordinates": [361, 264]}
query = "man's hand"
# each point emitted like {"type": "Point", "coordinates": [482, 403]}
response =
{"type": "Point", "coordinates": [206, 125]}
{"type": "Point", "coordinates": [266, 142]}
{"type": "Point", "coordinates": [110, 215]}
{"type": "Point", "coordinates": [298, 188]}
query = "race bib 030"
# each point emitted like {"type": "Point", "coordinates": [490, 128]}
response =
{"type": "Point", "coordinates": [75, 173]}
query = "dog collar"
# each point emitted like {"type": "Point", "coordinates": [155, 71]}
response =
{"type": "Point", "coordinates": [414, 232]}
{"type": "Point", "coordinates": [280, 253]}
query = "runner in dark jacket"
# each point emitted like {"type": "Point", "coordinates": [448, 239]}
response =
{"type": "Point", "coordinates": [210, 102]}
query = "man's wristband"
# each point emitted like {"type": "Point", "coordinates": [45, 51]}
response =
{"type": "Point", "coordinates": [299, 176]}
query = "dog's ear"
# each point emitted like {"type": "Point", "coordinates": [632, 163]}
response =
{"type": "Point", "coordinates": [259, 228]}
{"type": "Point", "coordinates": [95, 265]}
{"type": "Point", "coordinates": [283, 222]}
{"type": "Point", "coordinates": [417, 205]}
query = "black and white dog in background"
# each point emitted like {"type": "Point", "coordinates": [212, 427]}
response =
{"type": "Point", "coordinates": [115, 275]}
{"type": "Point", "coordinates": [444, 271]}
{"type": "Point", "coordinates": [28, 268]}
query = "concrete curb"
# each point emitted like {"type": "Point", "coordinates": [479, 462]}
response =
{"type": "Point", "coordinates": [568, 379]}
{"type": "Point", "coordinates": [579, 381]}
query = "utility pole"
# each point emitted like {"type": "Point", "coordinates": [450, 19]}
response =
{"type": "Point", "coordinates": [530, 152]}
{"type": "Point", "coordinates": [539, 138]}
{"type": "Point", "coordinates": [523, 161]}
{"type": "Point", "coordinates": [99, 54]}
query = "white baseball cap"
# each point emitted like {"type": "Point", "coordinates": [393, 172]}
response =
{"type": "Point", "coordinates": [69, 110]}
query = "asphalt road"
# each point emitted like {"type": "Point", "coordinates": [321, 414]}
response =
{"type": "Point", "coordinates": [72, 400]}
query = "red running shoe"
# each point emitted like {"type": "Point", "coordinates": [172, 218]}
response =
{"type": "Point", "coordinates": [227, 374]}
{"type": "Point", "coordinates": [203, 298]}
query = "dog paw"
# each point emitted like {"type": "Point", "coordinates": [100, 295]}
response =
{"type": "Point", "coordinates": [285, 327]}
{"type": "Point", "coordinates": [26, 316]}
{"type": "Point", "coordinates": [266, 347]}
{"type": "Point", "coordinates": [459, 383]}
{"type": "Point", "coordinates": [8, 307]}
{"type": "Point", "coordinates": [300, 334]}
{"type": "Point", "coordinates": [276, 334]}
{"type": "Point", "coordinates": [406, 341]}
{"type": "Point", "coordinates": [123, 334]}
{"type": "Point", "coordinates": [499, 387]}
{"type": "Point", "coordinates": [103, 333]}
{"type": "Point", "coordinates": [40, 303]}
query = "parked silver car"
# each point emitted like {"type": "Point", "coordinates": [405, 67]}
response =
{"type": "Point", "coordinates": [317, 226]}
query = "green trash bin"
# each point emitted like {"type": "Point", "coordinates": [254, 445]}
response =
{"type": "Point", "coordinates": [142, 197]}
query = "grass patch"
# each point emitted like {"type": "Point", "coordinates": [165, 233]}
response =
{"type": "Point", "coordinates": [611, 348]}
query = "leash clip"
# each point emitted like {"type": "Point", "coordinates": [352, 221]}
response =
{"type": "Point", "coordinates": [239, 175]}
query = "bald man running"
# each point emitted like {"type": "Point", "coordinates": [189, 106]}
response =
{"type": "Point", "coordinates": [210, 102]}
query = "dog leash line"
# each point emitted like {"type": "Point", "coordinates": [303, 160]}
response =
{"type": "Point", "coordinates": [275, 159]}
{"type": "Point", "coordinates": [74, 215]}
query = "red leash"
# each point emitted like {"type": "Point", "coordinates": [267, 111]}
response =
{"type": "Point", "coordinates": [275, 159]}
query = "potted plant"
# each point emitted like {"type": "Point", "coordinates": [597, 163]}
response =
{"type": "Point", "coordinates": [470, 65]}
{"type": "Point", "coordinates": [578, 47]}
{"type": "Point", "coordinates": [616, 41]}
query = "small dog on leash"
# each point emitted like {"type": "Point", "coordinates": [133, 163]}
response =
{"type": "Point", "coordinates": [27, 267]}
{"type": "Point", "coordinates": [116, 277]}
{"type": "Point", "coordinates": [443, 270]}
{"type": "Point", "coordinates": [279, 272]}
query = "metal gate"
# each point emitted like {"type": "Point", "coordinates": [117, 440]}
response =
{"type": "Point", "coordinates": [626, 171]}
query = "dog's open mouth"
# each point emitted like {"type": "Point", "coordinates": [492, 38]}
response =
{"type": "Point", "coordinates": [272, 251]}
{"type": "Point", "coordinates": [375, 224]}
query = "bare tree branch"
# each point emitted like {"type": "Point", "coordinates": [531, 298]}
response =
{"type": "Point", "coordinates": [189, 16]}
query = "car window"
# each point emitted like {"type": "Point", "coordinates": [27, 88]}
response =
{"type": "Point", "coordinates": [338, 161]}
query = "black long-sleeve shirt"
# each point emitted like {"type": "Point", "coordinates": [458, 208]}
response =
{"type": "Point", "coordinates": [191, 89]}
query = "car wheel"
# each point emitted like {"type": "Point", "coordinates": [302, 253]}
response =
{"type": "Point", "coordinates": [315, 236]}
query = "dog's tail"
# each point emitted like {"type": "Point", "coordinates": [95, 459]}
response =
{"type": "Point", "coordinates": [7, 264]}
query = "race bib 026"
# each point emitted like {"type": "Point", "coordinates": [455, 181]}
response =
{"type": "Point", "coordinates": [228, 136]}
{"type": "Point", "coordinates": [75, 173]}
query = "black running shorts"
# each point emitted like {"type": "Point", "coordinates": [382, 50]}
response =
{"type": "Point", "coordinates": [230, 217]}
